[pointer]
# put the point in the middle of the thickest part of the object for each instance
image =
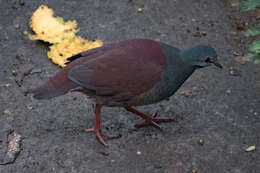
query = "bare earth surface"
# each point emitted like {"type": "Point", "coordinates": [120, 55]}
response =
{"type": "Point", "coordinates": [213, 105]}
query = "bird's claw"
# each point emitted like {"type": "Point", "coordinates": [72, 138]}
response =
{"type": "Point", "coordinates": [154, 121]}
{"type": "Point", "coordinates": [100, 135]}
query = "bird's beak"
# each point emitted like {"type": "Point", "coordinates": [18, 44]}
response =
{"type": "Point", "coordinates": [215, 62]}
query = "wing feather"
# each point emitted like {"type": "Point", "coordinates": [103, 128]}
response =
{"type": "Point", "coordinates": [121, 73]}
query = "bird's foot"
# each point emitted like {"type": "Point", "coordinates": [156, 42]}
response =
{"type": "Point", "coordinates": [154, 121]}
{"type": "Point", "coordinates": [100, 135]}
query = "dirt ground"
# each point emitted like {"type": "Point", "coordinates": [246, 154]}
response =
{"type": "Point", "coordinates": [221, 108]}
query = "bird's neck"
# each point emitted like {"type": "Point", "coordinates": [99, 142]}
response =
{"type": "Point", "coordinates": [175, 73]}
{"type": "Point", "coordinates": [192, 56]}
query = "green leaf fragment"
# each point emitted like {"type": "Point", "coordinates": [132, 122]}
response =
{"type": "Point", "coordinates": [255, 47]}
{"type": "Point", "coordinates": [254, 57]}
{"type": "Point", "coordinates": [248, 5]}
{"type": "Point", "coordinates": [25, 32]}
{"type": "Point", "coordinates": [253, 32]}
{"type": "Point", "coordinates": [250, 148]}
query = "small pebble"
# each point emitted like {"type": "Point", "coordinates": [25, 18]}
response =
{"type": "Point", "coordinates": [14, 72]}
{"type": "Point", "coordinates": [234, 4]}
{"type": "Point", "coordinates": [139, 10]}
{"type": "Point", "coordinates": [187, 93]}
{"type": "Point", "coordinates": [7, 112]}
{"type": "Point", "coordinates": [228, 91]}
{"type": "Point", "coordinates": [204, 33]}
{"type": "Point", "coordinates": [201, 141]}
{"type": "Point", "coordinates": [29, 107]}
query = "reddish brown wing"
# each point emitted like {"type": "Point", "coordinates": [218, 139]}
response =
{"type": "Point", "coordinates": [131, 69]}
{"type": "Point", "coordinates": [92, 53]}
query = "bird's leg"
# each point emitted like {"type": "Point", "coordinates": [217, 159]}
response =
{"type": "Point", "coordinates": [148, 120]}
{"type": "Point", "coordinates": [97, 128]}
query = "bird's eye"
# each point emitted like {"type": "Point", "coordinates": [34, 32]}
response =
{"type": "Point", "coordinates": [208, 60]}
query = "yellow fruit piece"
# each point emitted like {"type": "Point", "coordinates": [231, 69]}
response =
{"type": "Point", "coordinates": [62, 35]}
{"type": "Point", "coordinates": [49, 28]}
{"type": "Point", "coordinates": [60, 52]}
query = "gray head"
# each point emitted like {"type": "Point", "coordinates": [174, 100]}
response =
{"type": "Point", "coordinates": [201, 56]}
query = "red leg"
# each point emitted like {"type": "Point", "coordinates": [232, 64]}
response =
{"type": "Point", "coordinates": [154, 121]}
{"type": "Point", "coordinates": [97, 128]}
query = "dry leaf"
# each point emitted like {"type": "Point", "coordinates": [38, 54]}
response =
{"type": "Point", "coordinates": [13, 149]}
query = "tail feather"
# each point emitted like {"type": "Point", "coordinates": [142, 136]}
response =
{"type": "Point", "coordinates": [60, 84]}
{"type": "Point", "coordinates": [46, 91]}
{"type": "Point", "coordinates": [57, 85]}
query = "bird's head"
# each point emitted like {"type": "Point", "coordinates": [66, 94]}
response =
{"type": "Point", "coordinates": [202, 56]}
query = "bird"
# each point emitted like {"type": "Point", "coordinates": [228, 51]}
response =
{"type": "Point", "coordinates": [125, 74]}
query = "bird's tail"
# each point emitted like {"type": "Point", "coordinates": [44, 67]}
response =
{"type": "Point", "coordinates": [46, 91]}
{"type": "Point", "coordinates": [57, 85]}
